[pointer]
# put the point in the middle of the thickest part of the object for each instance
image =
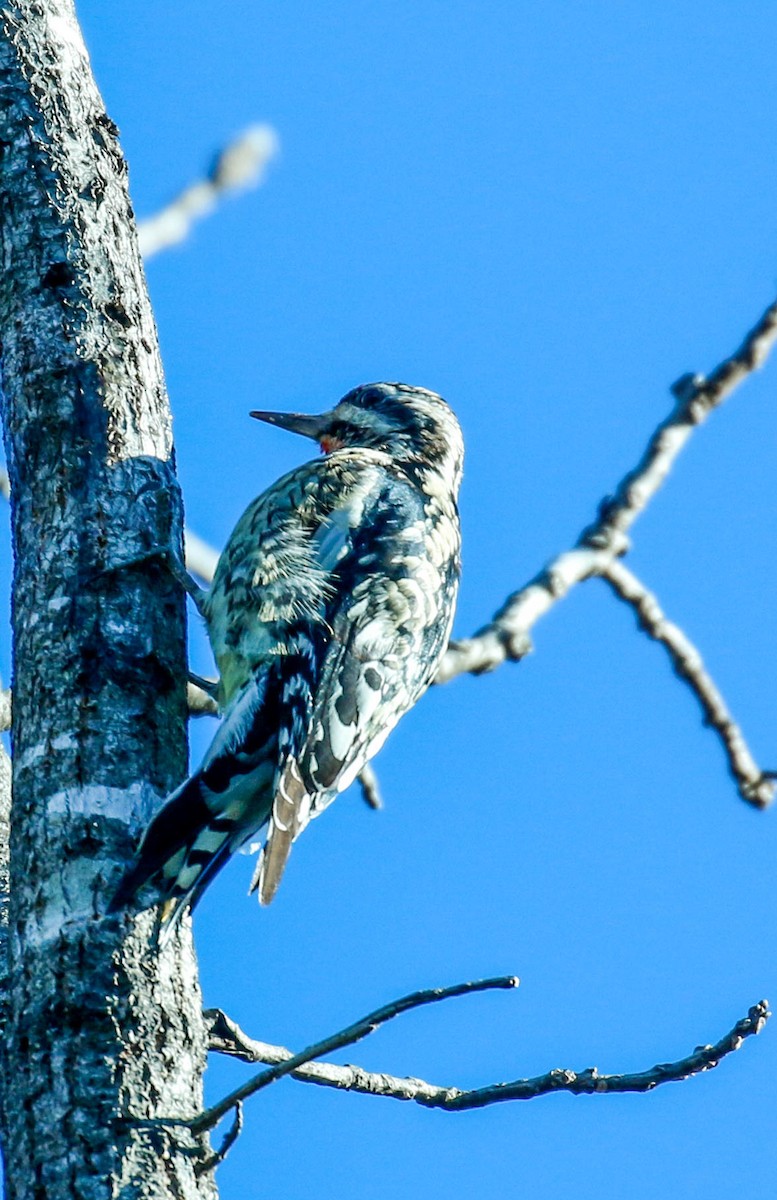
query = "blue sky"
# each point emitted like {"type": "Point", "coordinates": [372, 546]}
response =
{"type": "Point", "coordinates": [547, 213]}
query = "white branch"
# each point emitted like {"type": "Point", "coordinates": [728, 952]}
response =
{"type": "Point", "coordinates": [228, 1038]}
{"type": "Point", "coordinates": [242, 164]}
{"type": "Point", "coordinates": [507, 635]}
{"type": "Point", "coordinates": [344, 1037]}
{"type": "Point", "coordinates": [755, 786]}
{"type": "Point", "coordinates": [201, 559]}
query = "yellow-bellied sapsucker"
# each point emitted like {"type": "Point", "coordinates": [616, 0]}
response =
{"type": "Point", "coordinates": [330, 608]}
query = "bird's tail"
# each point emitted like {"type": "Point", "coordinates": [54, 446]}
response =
{"type": "Point", "coordinates": [290, 814]}
{"type": "Point", "coordinates": [185, 845]}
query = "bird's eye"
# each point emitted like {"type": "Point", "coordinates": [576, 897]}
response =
{"type": "Point", "coordinates": [371, 397]}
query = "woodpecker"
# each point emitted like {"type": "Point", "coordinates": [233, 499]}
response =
{"type": "Point", "coordinates": [329, 611]}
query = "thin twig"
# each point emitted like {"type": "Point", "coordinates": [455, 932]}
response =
{"type": "Point", "coordinates": [201, 558]}
{"type": "Point", "coordinates": [507, 634]}
{"type": "Point", "coordinates": [345, 1037]}
{"type": "Point", "coordinates": [240, 165]}
{"type": "Point", "coordinates": [227, 1038]}
{"type": "Point", "coordinates": [230, 1137]}
{"type": "Point", "coordinates": [755, 786]}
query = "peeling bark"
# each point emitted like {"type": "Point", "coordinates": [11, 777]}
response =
{"type": "Point", "coordinates": [97, 1030]}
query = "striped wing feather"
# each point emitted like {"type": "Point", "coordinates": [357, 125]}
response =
{"type": "Point", "coordinates": [374, 668]}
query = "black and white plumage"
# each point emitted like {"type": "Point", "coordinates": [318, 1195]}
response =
{"type": "Point", "coordinates": [330, 608]}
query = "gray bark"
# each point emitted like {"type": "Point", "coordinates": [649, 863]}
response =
{"type": "Point", "coordinates": [5, 847]}
{"type": "Point", "coordinates": [97, 1031]}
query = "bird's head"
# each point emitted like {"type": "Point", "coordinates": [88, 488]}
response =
{"type": "Point", "coordinates": [416, 428]}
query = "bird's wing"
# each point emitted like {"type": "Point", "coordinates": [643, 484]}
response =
{"type": "Point", "coordinates": [266, 621]}
{"type": "Point", "coordinates": [389, 618]}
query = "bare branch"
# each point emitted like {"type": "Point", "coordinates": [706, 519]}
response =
{"type": "Point", "coordinates": [507, 634]}
{"type": "Point", "coordinates": [755, 786]}
{"type": "Point", "coordinates": [227, 1038]}
{"type": "Point", "coordinates": [230, 1137]}
{"type": "Point", "coordinates": [5, 710]}
{"type": "Point", "coordinates": [345, 1037]}
{"type": "Point", "coordinates": [240, 165]}
{"type": "Point", "coordinates": [201, 558]}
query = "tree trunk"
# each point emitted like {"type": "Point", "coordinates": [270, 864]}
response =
{"type": "Point", "coordinates": [97, 1033]}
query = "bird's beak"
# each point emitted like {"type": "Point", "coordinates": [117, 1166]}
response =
{"type": "Point", "coordinates": [314, 427]}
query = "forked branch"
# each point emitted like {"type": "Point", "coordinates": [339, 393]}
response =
{"type": "Point", "coordinates": [336, 1041]}
{"type": "Point", "coordinates": [507, 635]}
{"type": "Point", "coordinates": [755, 786]}
{"type": "Point", "coordinates": [227, 1038]}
